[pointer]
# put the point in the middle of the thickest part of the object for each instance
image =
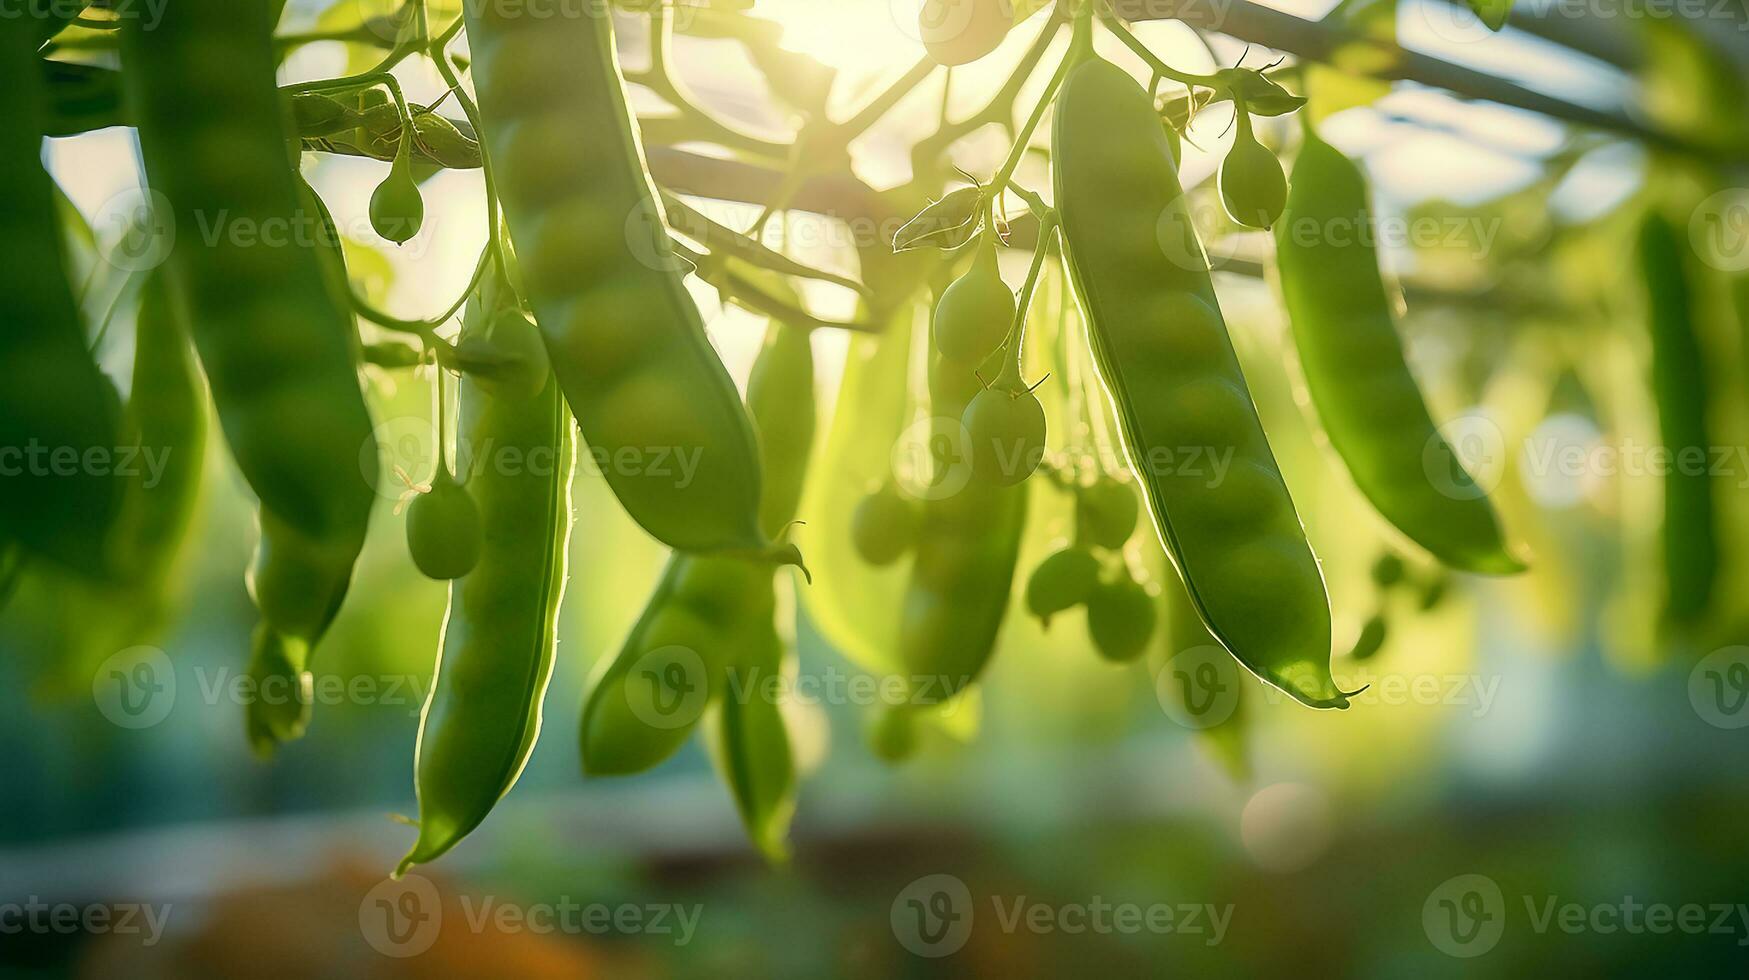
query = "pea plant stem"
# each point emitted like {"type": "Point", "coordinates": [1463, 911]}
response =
{"type": "Point", "coordinates": [1015, 345]}
{"type": "Point", "coordinates": [1025, 135]}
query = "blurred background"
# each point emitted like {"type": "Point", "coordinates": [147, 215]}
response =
{"type": "Point", "coordinates": [1539, 776]}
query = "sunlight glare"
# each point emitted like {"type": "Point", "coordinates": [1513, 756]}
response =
{"type": "Point", "coordinates": [850, 35]}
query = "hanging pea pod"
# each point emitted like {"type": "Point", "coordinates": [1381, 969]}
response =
{"type": "Point", "coordinates": [166, 416]}
{"type": "Point", "coordinates": [851, 600]}
{"type": "Point", "coordinates": [750, 747]}
{"type": "Point", "coordinates": [276, 340]}
{"type": "Point", "coordinates": [967, 545]}
{"type": "Point", "coordinates": [1366, 397]}
{"type": "Point", "coordinates": [1163, 354]}
{"type": "Point", "coordinates": [602, 277]}
{"type": "Point", "coordinates": [1679, 387]}
{"type": "Point", "coordinates": [708, 646]}
{"type": "Point", "coordinates": [276, 344]}
{"type": "Point", "coordinates": [483, 712]}
{"type": "Point", "coordinates": [58, 426]}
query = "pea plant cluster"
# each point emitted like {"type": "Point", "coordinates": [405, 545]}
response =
{"type": "Point", "coordinates": [577, 329]}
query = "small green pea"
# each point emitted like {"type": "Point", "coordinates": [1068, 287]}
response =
{"type": "Point", "coordinates": [1062, 581]}
{"type": "Point", "coordinates": [1106, 512]}
{"type": "Point", "coordinates": [1120, 618]}
{"type": "Point", "coordinates": [1371, 639]}
{"type": "Point", "coordinates": [884, 526]}
{"type": "Point", "coordinates": [443, 530]}
{"type": "Point", "coordinates": [1006, 429]}
{"type": "Point", "coordinates": [396, 207]}
{"type": "Point", "coordinates": [958, 32]}
{"type": "Point", "coordinates": [892, 734]}
{"type": "Point", "coordinates": [1253, 187]}
{"type": "Point", "coordinates": [1387, 571]}
{"type": "Point", "coordinates": [976, 310]}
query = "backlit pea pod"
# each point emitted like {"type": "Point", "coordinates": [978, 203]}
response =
{"type": "Point", "coordinates": [750, 747]}
{"type": "Point", "coordinates": [483, 712]}
{"type": "Point", "coordinates": [749, 740]}
{"type": "Point", "coordinates": [625, 338]}
{"type": "Point", "coordinates": [1366, 396]}
{"type": "Point", "coordinates": [298, 582]}
{"type": "Point", "coordinates": [850, 601]}
{"type": "Point", "coordinates": [276, 342]}
{"type": "Point", "coordinates": [711, 616]}
{"type": "Point", "coordinates": [968, 542]}
{"type": "Point", "coordinates": [166, 412]}
{"type": "Point", "coordinates": [1165, 359]}
{"type": "Point", "coordinates": [1679, 387]}
{"type": "Point", "coordinates": [57, 412]}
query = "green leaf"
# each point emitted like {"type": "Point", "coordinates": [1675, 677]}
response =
{"type": "Point", "coordinates": [1262, 95]}
{"type": "Point", "coordinates": [945, 224]}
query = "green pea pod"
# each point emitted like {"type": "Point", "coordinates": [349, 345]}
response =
{"type": "Point", "coordinates": [279, 706]}
{"type": "Point", "coordinates": [780, 399]}
{"type": "Point", "coordinates": [644, 703]}
{"type": "Point", "coordinates": [850, 601]}
{"type": "Point", "coordinates": [967, 545]}
{"type": "Point", "coordinates": [483, 712]}
{"type": "Point", "coordinates": [56, 409]}
{"type": "Point", "coordinates": [1679, 387]}
{"type": "Point", "coordinates": [750, 747]}
{"type": "Point", "coordinates": [710, 616]}
{"type": "Point", "coordinates": [276, 343]}
{"type": "Point", "coordinates": [1163, 353]}
{"type": "Point", "coordinates": [625, 338]}
{"type": "Point", "coordinates": [166, 411]}
{"type": "Point", "coordinates": [749, 740]}
{"type": "Point", "coordinates": [298, 582]}
{"type": "Point", "coordinates": [1366, 396]}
